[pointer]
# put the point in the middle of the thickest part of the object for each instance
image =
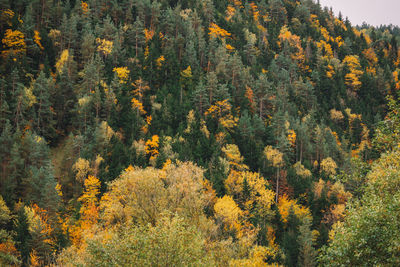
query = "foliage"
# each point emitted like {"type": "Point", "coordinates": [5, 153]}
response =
{"type": "Point", "coordinates": [261, 121]}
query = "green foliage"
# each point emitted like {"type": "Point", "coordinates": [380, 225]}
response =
{"type": "Point", "coordinates": [280, 89]}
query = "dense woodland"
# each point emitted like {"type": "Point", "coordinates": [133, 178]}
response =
{"type": "Point", "coordinates": [197, 133]}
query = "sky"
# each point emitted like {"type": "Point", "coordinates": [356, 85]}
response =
{"type": "Point", "coordinates": [373, 12]}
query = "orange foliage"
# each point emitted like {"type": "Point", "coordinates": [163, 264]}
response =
{"type": "Point", "coordinates": [14, 43]}
{"type": "Point", "coordinates": [230, 12]}
{"type": "Point", "coordinates": [284, 206]}
{"type": "Point", "coordinates": [221, 110]}
{"type": "Point", "coordinates": [294, 41]}
{"type": "Point", "coordinates": [330, 72]}
{"type": "Point", "coordinates": [254, 9]}
{"type": "Point", "coordinates": [352, 79]}
{"type": "Point", "coordinates": [250, 96]}
{"type": "Point", "coordinates": [136, 104]}
{"type": "Point", "coordinates": [326, 49]}
{"type": "Point", "coordinates": [396, 79]}
{"type": "Point", "coordinates": [140, 87]}
{"type": "Point", "coordinates": [122, 73]}
{"type": "Point", "coordinates": [291, 137]}
{"type": "Point", "coordinates": [151, 146]}
{"type": "Point", "coordinates": [7, 16]}
{"type": "Point", "coordinates": [370, 55]}
{"type": "Point", "coordinates": [8, 248]}
{"type": "Point", "coordinates": [85, 7]}
{"type": "Point", "coordinates": [37, 39]}
{"type": "Point", "coordinates": [148, 34]}
{"type": "Point", "coordinates": [216, 31]}
{"type": "Point", "coordinates": [160, 61]}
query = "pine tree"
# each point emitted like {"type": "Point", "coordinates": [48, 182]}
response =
{"type": "Point", "coordinates": [307, 252]}
{"type": "Point", "coordinates": [45, 122]}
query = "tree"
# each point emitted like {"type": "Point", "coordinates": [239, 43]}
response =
{"type": "Point", "coordinates": [307, 253]}
{"type": "Point", "coordinates": [370, 231]}
{"type": "Point", "coordinates": [14, 43]}
{"type": "Point", "coordinates": [352, 79]}
{"type": "Point", "coordinates": [45, 122]}
{"type": "Point", "coordinates": [276, 158]}
{"type": "Point", "coordinates": [200, 97]}
{"type": "Point", "coordinates": [8, 253]}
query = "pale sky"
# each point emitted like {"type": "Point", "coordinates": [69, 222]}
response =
{"type": "Point", "coordinates": [373, 12]}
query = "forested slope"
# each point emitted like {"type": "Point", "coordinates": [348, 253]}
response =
{"type": "Point", "coordinates": [196, 133]}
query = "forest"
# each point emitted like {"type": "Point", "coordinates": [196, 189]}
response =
{"type": "Point", "coordinates": [197, 133]}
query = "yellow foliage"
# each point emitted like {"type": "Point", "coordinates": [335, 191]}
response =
{"type": "Point", "coordinates": [274, 156]}
{"type": "Point", "coordinates": [187, 73]}
{"type": "Point", "coordinates": [136, 104]}
{"type": "Point", "coordinates": [230, 12]}
{"type": "Point", "coordinates": [7, 16]}
{"type": "Point", "coordinates": [255, 11]}
{"type": "Point", "coordinates": [149, 119]}
{"type": "Point", "coordinates": [142, 195]}
{"type": "Point", "coordinates": [330, 72]}
{"type": "Point", "coordinates": [37, 38]}
{"type": "Point", "coordinates": [229, 47]}
{"type": "Point", "coordinates": [92, 190]}
{"type": "Point", "coordinates": [228, 212]}
{"type": "Point", "coordinates": [104, 46]}
{"type": "Point", "coordinates": [122, 73]}
{"type": "Point", "coordinates": [257, 258]}
{"type": "Point", "coordinates": [160, 61]}
{"type": "Point", "coordinates": [338, 190]}
{"type": "Point", "coordinates": [34, 260]}
{"type": "Point", "coordinates": [396, 79]}
{"type": "Point", "coordinates": [370, 55]}
{"type": "Point", "coordinates": [329, 166]}
{"type": "Point", "coordinates": [301, 170]}
{"type": "Point", "coordinates": [284, 206]}
{"type": "Point", "coordinates": [339, 41]}
{"type": "Point", "coordinates": [326, 49]}
{"type": "Point", "coordinates": [325, 34]}
{"type": "Point", "coordinates": [294, 41]}
{"type": "Point", "coordinates": [64, 57]}
{"type": "Point", "coordinates": [151, 146]}
{"type": "Point", "coordinates": [341, 24]}
{"type": "Point", "coordinates": [148, 34]}
{"type": "Point", "coordinates": [221, 110]}
{"type": "Point", "coordinates": [291, 137]}
{"type": "Point", "coordinates": [82, 168]}
{"type": "Point", "coordinates": [38, 221]}
{"type": "Point", "coordinates": [216, 31]}
{"type": "Point", "coordinates": [140, 87]}
{"type": "Point", "coordinates": [335, 213]}
{"type": "Point", "coordinates": [352, 79]}
{"type": "Point", "coordinates": [260, 198]}
{"type": "Point", "coordinates": [234, 157]}
{"type": "Point", "coordinates": [59, 190]}
{"type": "Point", "coordinates": [203, 129]}
{"type": "Point", "coordinates": [85, 7]}
{"type": "Point", "coordinates": [106, 132]}
{"type": "Point", "coordinates": [336, 115]}
{"type": "Point", "coordinates": [89, 210]}
{"type": "Point", "coordinates": [14, 43]}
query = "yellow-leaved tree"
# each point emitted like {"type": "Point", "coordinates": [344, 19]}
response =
{"type": "Point", "coordinates": [14, 44]}
{"type": "Point", "coordinates": [352, 78]}
{"type": "Point", "coordinates": [89, 211]}
{"type": "Point", "coordinates": [221, 110]}
{"type": "Point", "coordinates": [275, 157]}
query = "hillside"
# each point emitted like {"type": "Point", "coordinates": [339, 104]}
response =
{"type": "Point", "coordinates": [197, 133]}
